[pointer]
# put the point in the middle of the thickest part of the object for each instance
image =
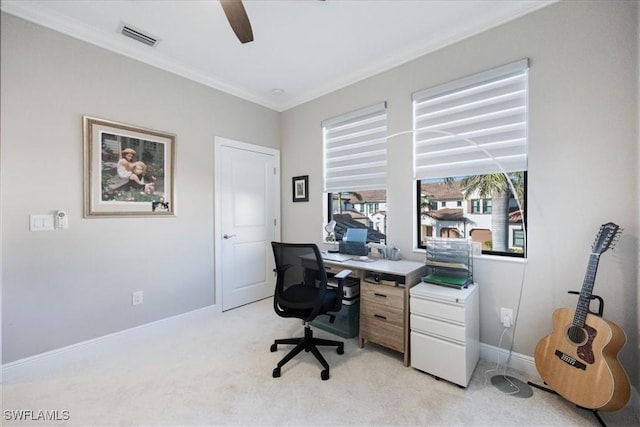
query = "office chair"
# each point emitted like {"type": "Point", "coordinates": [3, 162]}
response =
{"type": "Point", "coordinates": [301, 292]}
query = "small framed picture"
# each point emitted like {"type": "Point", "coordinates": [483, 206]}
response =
{"type": "Point", "coordinates": [300, 188]}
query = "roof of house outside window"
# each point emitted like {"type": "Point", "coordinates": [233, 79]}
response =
{"type": "Point", "coordinates": [447, 214]}
{"type": "Point", "coordinates": [442, 191]}
{"type": "Point", "coordinates": [345, 221]}
{"type": "Point", "coordinates": [515, 216]}
{"type": "Point", "coordinates": [354, 214]}
{"type": "Point", "coordinates": [368, 196]}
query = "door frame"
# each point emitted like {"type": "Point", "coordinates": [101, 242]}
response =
{"type": "Point", "coordinates": [217, 226]}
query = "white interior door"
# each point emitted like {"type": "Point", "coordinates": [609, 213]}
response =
{"type": "Point", "coordinates": [247, 220]}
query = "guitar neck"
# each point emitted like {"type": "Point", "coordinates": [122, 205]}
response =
{"type": "Point", "coordinates": [584, 301]}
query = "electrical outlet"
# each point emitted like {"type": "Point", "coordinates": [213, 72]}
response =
{"type": "Point", "coordinates": [137, 298]}
{"type": "Point", "coordinates": [506, 317]}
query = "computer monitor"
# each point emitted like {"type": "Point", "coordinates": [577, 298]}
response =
{"type": "Point", "coordinates": [356, 235]}
{"type": "Point", "coordinates": [354, 242]}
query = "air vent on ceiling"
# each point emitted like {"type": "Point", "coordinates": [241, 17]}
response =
{"type": "Point", "coordinates": [138, 35]}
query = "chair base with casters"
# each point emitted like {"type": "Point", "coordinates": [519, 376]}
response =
{"type": "Point", "coordinates": [301, 292]}
{"type": "Point", "coordinates": [306, 343]}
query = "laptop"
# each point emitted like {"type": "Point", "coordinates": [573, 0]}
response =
{"type": "Point", "coordinates": [336, 257]}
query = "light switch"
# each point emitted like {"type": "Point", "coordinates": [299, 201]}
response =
{"type": "Point", "coordinates": [40, 222]}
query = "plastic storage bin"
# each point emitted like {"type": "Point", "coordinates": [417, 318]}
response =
{"type": "Point", "coordinates": [347, 323]}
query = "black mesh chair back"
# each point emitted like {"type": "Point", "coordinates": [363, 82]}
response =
{"type": "Point", "coordinates": [302, 292]}
{"type": "Point", "coordinates": [301, 283]}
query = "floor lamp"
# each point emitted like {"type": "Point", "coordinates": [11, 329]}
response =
{"type": "Point", "coordinates": [504, 383]}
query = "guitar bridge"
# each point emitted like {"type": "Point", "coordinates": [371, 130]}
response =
{"type": "Point", "coordinates": [570, 360]}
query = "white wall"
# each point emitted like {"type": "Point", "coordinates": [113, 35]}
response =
{"type": "Point", "coordinates": [63, 287]}
{"type": "Point", "coordinates": [583, 152]}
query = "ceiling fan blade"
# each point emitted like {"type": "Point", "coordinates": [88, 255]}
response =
{"type": "Point", "coordinates": [238, 19]}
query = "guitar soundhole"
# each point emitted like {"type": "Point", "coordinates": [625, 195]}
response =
{"type": "Point", "coordinates": [576, 334]}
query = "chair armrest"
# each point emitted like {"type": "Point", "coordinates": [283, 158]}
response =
{"type": "Point", "coordinates": [343, 274]}
{"type": "Point", "coordinates": [340, 279]}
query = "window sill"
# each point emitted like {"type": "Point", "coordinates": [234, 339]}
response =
{"type": "Point", "coordinates": [499, 258]}
{"type": "Point", "coordinates": [482, 258]}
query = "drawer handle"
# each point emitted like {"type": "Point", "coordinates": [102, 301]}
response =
{"type": "Point", "coordinates": [379, 295]}
{"type": "Point", "coordinates": [380, 317]}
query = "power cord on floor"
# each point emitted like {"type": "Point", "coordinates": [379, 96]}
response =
{"type": "Point", "coordinates": [497, 368]}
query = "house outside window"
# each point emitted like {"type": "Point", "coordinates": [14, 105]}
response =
{"type": "Point", "coordinates": [469, 220]}
{"type": "Point", "coordinates": [359, 209]}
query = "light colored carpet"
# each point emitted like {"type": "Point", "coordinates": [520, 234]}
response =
{"type": "Point", "coordinates": [207, 368]}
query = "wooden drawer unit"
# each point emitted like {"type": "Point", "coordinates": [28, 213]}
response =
{"type": "Point", "coordinates": [384, 310]}
{"type": "Point", "coordinates": [389, 296]}
{"type": "Point", "coordinates": [381, 332]}
{"type": "Point", "coordinates": [390, 315]}
{"type": "Point", "coordinates": [382, 315]}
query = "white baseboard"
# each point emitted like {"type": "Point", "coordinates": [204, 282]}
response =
{"type": "Point", "coordinates": [78, 348]}
{"type": "Point", "coordinates": [517, 361]}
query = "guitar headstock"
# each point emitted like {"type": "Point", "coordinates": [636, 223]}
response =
{"type": "Point", "coordinates": [607, 237]}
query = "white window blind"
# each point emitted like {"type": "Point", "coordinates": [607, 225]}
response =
{"type": "Point", "coordinates": [355, 150]}
{"type": "Point", "coordinates": [473, 126]}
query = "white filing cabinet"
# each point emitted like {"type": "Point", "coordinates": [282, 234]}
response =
{"type": "Point", "coordinates": [445, 331]}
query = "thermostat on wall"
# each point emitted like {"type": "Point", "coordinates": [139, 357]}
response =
{"type": "Point", "coordinates": [62, 220]}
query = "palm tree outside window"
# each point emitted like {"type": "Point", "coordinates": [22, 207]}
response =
{"type": "Point", "coordinates": [492, 217]}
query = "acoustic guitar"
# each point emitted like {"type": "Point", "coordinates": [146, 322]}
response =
{"type": "Point", "coordinates": [579, 359]}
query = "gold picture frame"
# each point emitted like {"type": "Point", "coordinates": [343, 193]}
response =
{"type": "Point", "coordinates": [128, 170]}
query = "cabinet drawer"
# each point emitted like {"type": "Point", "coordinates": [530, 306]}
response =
{"type": "Point", "coordinates": [435, 327]}
{"type": "Point", "coordinates": [382, 332]}
{"type": "Point", "coordinates": [440, 358]}
{"type": "Point", "coordinates": [381, 294]}
{"type": "Point", "coordinates": [382, 313]}
{"type": "Point", "coordinates": [438, 309]}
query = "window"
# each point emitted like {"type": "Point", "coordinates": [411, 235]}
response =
{"type": "Point", "coordinates": [481, 206]}
{"type": "Point", "coordinates": [470, 143]}
{"type": "Point", "coordinates": [486, 206]}
{"type": "Point", "coordinates": [474, 220]}
{"type": "Point", "coordinates": [354, 209]}
{"type": "Point", "coordinates": [518, 238]}
{"type": "Point", "coordinates": [355, 171]}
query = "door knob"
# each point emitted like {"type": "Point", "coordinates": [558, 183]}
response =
{"type": "Point", "coordinates": [228, 236]}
